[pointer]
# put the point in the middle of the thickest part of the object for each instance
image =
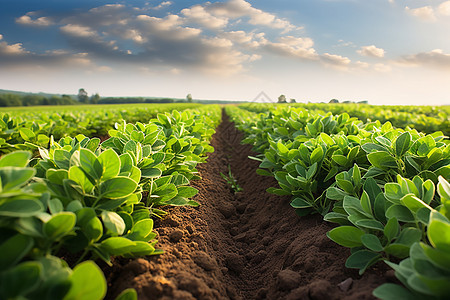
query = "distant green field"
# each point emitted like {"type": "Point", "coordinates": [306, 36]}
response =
{"type": "Point", "coordinates": [97, 107]}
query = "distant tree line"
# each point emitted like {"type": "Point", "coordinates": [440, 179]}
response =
{"type": "Point", "coordinates": [30, 100]}
{"type": "Point", "coordinates": [125, 100]}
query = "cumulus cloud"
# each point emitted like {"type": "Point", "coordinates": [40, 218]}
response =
{"type": "Point", "coordinates": [240, 8]}
{"type": "Point", "coordinates": [425, 13]}
{"type": "Point", "coordinates": [371, 51]}
{"type": "Point", "coordinates": [444, 8]}
{"type": "Point", "coordinates": [435, 58]}
{"type": "Point", "coordinates": [199, 15]}
{"type": "Point", "coordinates": [336, 61]}
{"type": "Point", "coordinates": [28, 20]}
{"type": "Point", "coordinates": [163, 5]}
{"type": "Point", "coordinates": [211, 37]}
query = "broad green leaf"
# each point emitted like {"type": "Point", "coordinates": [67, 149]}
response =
{"type": "Point", "coordinates": [391, 229]}
{"type": "Point", "coordinates": [361, 260]}
{"type": "Point", "coordinates": [88, 282]}
{"type": "Point", "coordinates": [402, 143]}
{"type": "Point", "coordinates": [300, 203]}
{"type": "Point", "coordinates": [24, 278]}
{"type": "Point", "coordinates": [151, 172]}
{"type": "Point", "coordinates": [77, 174]}
{"type": "Point", "coordinates": [413, 203]}
{"type": "Point", "coordinates": [57, 176]}
{"type": "Point", "coordinates": [15, 177]}
{"type": "Point", "coordinates": [400, 212]}
{"type": "Point", "coordinates": [117, 245]}
{"type": "Point", "coordinates": [347, 236]}
{"type": "Point", "coordinates": [110, 162]}
{"type": "Point", "coordinates": [391, 291]}
{"type": "Point", "coordinates": [393, 192]}
{"type": "Point", "coordinates": [141, 230]}
{"type": "Point", "coordinates": [370, 224]}
{"type": "Point", "coordinates": [113, 222]}
{"type": "Point", "coordinates": [187, 191]}
{"type": "Point", "coordinates": [382, 160]}
{"type": "Point", "coordinates": [62, 158]}
{"type": "Point", "coordinates": [118, 187]}
{"type": "Point", "coordinates": [439, 233]}
{"type": "Point", "coordinates": [27, 134]}
{"type": "Point", "coordinates": [409, 236]}
{"type": "Point", "coordinates": [55, 206]}
{"type": "Point", "coordinates": [372, 242]}
{"type": "Point", "coordinates": [59, 225]}
{"type": "Point", "coordinates": [128, 294]}
{"type": "Point", "coordinates": [14, 249]}
{"type": "Point", "coordinates": [21, 208]}
{"type": "Point", "coordinates": [15, 159]}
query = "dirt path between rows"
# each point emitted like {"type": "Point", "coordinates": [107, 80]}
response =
{"type": "Point", "coordinates": [249, 245]}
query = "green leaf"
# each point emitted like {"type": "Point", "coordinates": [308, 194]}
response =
{"type": "Point", "coordinates": [409, 236]}
{"type": "Point", "coordinates": [27, 134]}
{"type": "Point", "coordinates": [118, 187]}
{"type": "Point", "coordinates": [300, 203]}
{"type": "Point", "coordinates": [55, 206]}
{"type": "Point", "coordinates": [77, 174]}
{"type": "Point", "coordinates": [317, 155]}
{"type": "Point", "coordinates": [370, 224]}
{"type": "Point", "coordinates": [151, 173]}
{"type": "Point", "coordinates": [400, 212]}
{"type": "Point", "coordinates": [443, 188]}
{"type": "Point", "coordinates": [14, 249]}
{"type": "Point", "coordinates": [62, 158]}
{"type": "Point", "coordinates": [117, 245]}
{"type": "Point", "coordinates": [15, 159]}
{"type": "Point", "coordinates": [361, 260]}
{"type": "Point", "coordinates": [439, 233]}
{"type": "Point", "coordinates": [110, 162]}
{"type": "Point", "coordinates": [88, 282]}
{"type": "Point", "coordinates": [372, 242]}
{"type": "Point", "coordinates": [402, 144]}
{"type": "Point", "coordinates": [21, 208]}
{"type": "Point", "coordinates": [391, 229]}
{"type": "Point", "coordinates": [393, 192]}
{"type": "Point", "coordinates": [16, 283]}
{"type": "Point", "coordinates": [14, 177]}
{"type": "Point", "coordinates": [365, 203]}
{"type": "Point", "coordinates": [391, 291]}
{"type": "Point", "coordinates": [128, 294]}
{"type": "Point", "coordinates": [57, 176]}
{"type": "Point", "coordinates": [413, 203]}
{"type": "Point", "coordinates": [335, 194]}
{"type": "Point", "coordinates": [141, 230]}
{"type": "Point", "coordinates": [59, 225]}
{"type": "Point", "coordinates": [347, 236]}
{"type": "Point", "coordinates": [382, 160]}
{"type": "Point", "coordinates": [187, 191]}
{"type": "Point", "coordinates": [113, 222]}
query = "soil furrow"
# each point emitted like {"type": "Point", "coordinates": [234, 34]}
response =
{"type": "Point", "coordinates": [245, 245]}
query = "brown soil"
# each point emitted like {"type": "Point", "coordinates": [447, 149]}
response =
{"type": "Point", "coordinates": [249, 245]}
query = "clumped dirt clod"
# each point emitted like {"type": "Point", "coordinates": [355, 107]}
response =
{"type": "Point", "coordinates": [245, 245]}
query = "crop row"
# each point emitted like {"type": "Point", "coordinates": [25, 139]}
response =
{"type": "Point", "coordinates": [387, 188]}
{"type": "Point", "coordinates": [28, 129]}
{"type": "Point", "coordinates": [427, 119]}
{"type": "Point", "coordinates": [83, 200]}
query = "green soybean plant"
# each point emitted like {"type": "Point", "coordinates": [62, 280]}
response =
{"type": "Point", "coordinates": [425, 274]}
{"type": "Point", "coordinates": [31, 232]}
{"type": "Point", "coordinates": [103, 192]}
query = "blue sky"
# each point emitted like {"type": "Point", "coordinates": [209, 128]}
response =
{"type": "Point", "coordinates": [383, 51]}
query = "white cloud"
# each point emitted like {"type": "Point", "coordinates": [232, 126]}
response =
{"type": "Point", "coordinates": [163, 5]}
{"type": "Point", "coordinates": [240, 8]}
{"type": "Point", "coordinates": [371, 51]}
{"type": "Point", "coordinates": [27, 20]}
{"type": "Point", "coordinates": [14, 49]}
{"type": "Point", "coordinates": [444, 8]}
{"type": "Point", "coordinates": [435, 58]}
{"type": "Point", "coordinates": [334, 60]}
{"type": "Point", "coordinates": [425, 13]}
{"type": "Point", "coordinates": [292, 47]}
{"type": "Point", "coordinates": [78, 31]}
{"type": "Point", "coordinates": [199, 15]}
